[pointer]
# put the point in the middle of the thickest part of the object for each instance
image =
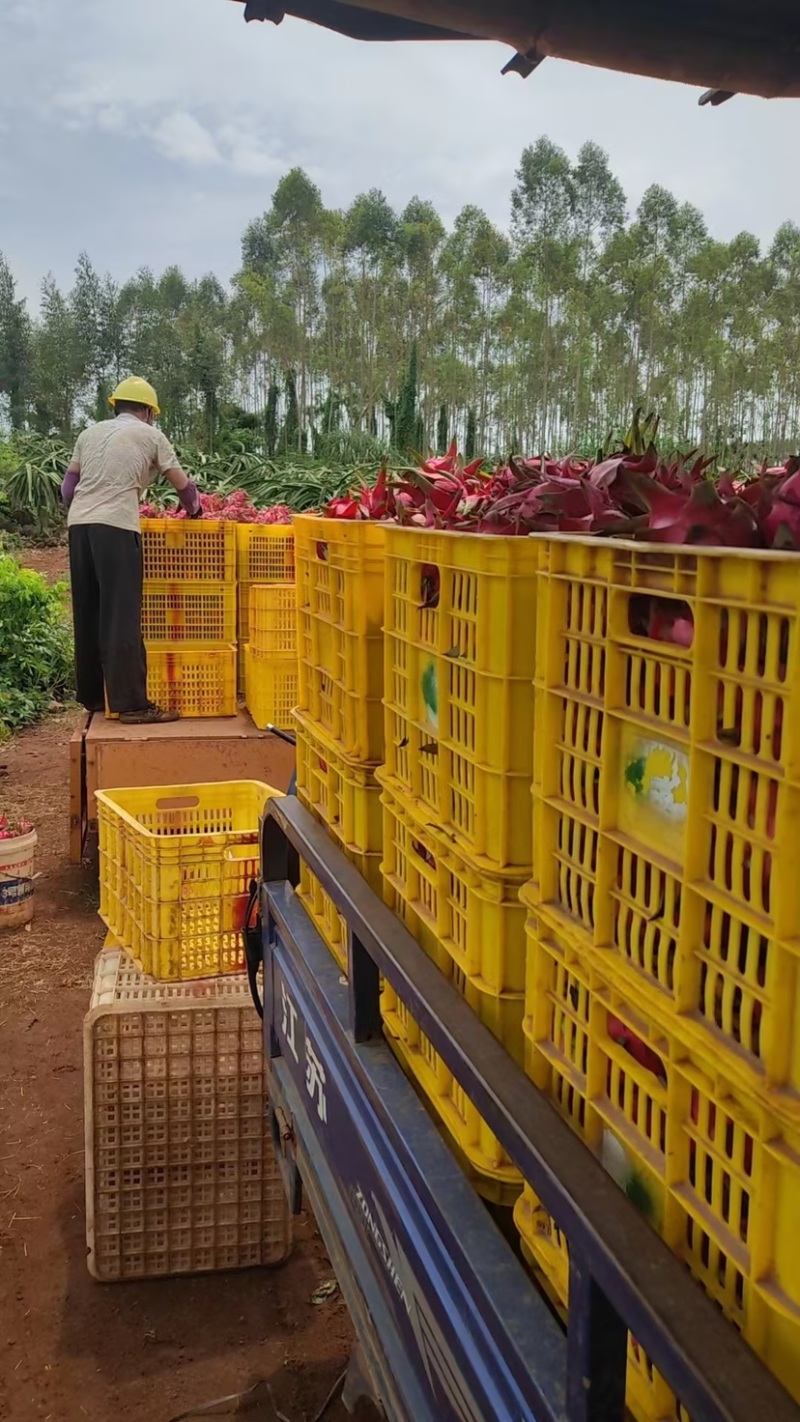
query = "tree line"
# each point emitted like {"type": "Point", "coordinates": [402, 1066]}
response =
{"type": "Point", "coordinates": [368, 327]}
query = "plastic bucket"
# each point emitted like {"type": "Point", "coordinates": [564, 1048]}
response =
{"type": "Point", "coordinates": [16, 880]}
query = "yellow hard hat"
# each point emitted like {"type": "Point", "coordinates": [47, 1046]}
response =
{"type": "Point", "coordinates": [139, 391]}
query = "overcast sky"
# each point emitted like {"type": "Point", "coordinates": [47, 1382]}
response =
{"type": "Point", "coordinates": [149, 134]}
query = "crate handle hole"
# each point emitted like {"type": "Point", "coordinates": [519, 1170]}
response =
{"type": "Point", "coordinates": [423, 853]}
{"type": "Point", "coordinates": [239, 853]}
{"type": "Point", "coordinates": [430, 585]}
{"type": "Point", "coordinates": [178, 802]}
{"type": "Point", "coordinates": [661, 619]}
{"type": "Point", "coordinates": [322, 551]}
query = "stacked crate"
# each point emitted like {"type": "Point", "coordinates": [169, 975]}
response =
{"type": "Point", "coordinates": [181, 1175]}
{"type": "Point", "coordinates": [270, 655]}
{"type": "Point", "coordinates": [664, 915]}
{"type": "Point", "coordinates": [415, 735]}
{"type": "Point", "coordinates": [460, 616]}
{"type": "Point", "coordinates": [189, 615]}
{"type": "Point", "coordinates": [266, 621]}
{"type": "Point", "coordinates": [176, 867]}
{"type": "Point", "coordinates": [180, 1171]}
{"type": "Point", "coordinates": [340, 569]}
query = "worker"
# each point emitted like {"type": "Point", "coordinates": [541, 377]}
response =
{"type": "Point", "coordinates": [102, 488]}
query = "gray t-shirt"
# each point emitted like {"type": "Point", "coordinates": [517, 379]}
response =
{"type": "Point", "coordinates": [117, 460]}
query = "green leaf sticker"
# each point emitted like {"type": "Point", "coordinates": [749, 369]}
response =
{"type": "Point", "coordinates": [430, 695]}
{"type": "Point", "coordinates": [634, 774]}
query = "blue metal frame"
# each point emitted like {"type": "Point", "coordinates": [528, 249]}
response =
{"type": "Point", "coordinates": [417, 1240]}
{"type": "Point", "coordinates": [450, 1325]}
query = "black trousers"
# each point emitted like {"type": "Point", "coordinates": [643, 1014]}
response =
{"type": "Point", "coordinates": [106, 574]}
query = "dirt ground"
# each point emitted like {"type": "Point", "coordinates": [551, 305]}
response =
{"type": "Point", "coordinates": [72, 1349]}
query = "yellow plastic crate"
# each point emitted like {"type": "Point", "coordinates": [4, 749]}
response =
{"type": "Point", "coordinates": [197, 550]}
{"type": "Point", "coordinates": [345, 798]}
{"type": "Point", "coordinates": [323, 912]}
{"type": "Point", "coordinates": [244, 597]}
{"type": "Point", "coordinates": [544, 1247]}
{"type": "Point", "coordinates": [243, 591]}
{"type": "Point", "coordinates": [452, 907]}
{"type": "Point", "coordinates": [195, 678]}
{"type": "Point", "coordinates": [188, 612]}
{"type": "Point", "coordinates": [716, 1174]}
{"type": "Point", "coordinates": [340, 570]}
{"type": "Point", "coordinates": [273, 619]}
{"type": "Point", "coordinates": [458, 685]}
{"type": "Point", "coordinates": [176, 865]}
{"type": "Point", "coordinates": [342, 794]}
{"type": "Point", "coordinates": [667, 786]}
{"type": "Point", "coordinates": [488, 1165]}
{"type": "Point", "coordinates": [473, 929]}
{"type": "Point", "coordinates": [270, 688]}
{"type": "Point", "coordinates": [181, 1174]}
{"type": "Point", "coordinates": [265, 552]}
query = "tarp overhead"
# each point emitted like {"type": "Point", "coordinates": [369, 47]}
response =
{"type": "Point", "coordinates": [727, 46]}
{"type": "Point", "coordinates": [351, 20]}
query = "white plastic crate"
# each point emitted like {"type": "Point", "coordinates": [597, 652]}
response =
{"type": "Point", "coordinates": [181, 1176]}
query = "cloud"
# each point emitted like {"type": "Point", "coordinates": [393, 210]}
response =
{"type": "Point", "coordinates": [193, 110]}
{"type": "Point", "coordinates": [182, 138]}
{"type": "Point", "coordinates": [253, 162]}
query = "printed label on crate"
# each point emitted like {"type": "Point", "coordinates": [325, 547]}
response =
{"type": "Point", "coordinates": [630, 1178]}
{"type": "Point", "coordinates": [429, 688]}
{"type": "Point", "coordinates": [659, 775]}
{"type": "Point", "coordinates": [654, 801]}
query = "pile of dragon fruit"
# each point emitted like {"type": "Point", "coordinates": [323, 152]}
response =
{"type": "Point", "coordinates": [12, 828]}
{"type": "Point", "coordinates": [629, 494]}
{"type": "Point", "coordinates": [633, 491]}
{"type": "Point", "coordinates": [230, 508]}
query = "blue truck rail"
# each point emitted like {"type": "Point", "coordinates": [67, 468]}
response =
{"type": "Point", "coordinates": [450, 1327]}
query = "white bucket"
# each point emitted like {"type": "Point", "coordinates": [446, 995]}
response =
{"type": "Point", "coordinates": [16, 880]}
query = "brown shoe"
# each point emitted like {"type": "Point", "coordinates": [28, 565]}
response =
{"type": "Point", "coordinates": [150, 715]}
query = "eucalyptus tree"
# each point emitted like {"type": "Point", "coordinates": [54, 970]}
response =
{"type": "Point", "coordinates": [598, 212]}
{"type": "Point", "coordinates": [16, 355]}
{"type": "Point", "coordinates": [782, 407]}
{"type": "Point", "coordinates": [86, 307]}
{"type": "Point", "coordinates": [474, 265]}
{"type": "Point", "coordinates": [58, 370]}
{"type": "Point", "coordinates": [340, 323]}
{"type": "Point", "coordinates": [371, 252]}
{"type": "Point", "coordinates": [542, 211]}
{"type": "Point", "coordinates": [295, 225]}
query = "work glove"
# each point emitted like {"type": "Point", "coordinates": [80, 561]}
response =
{"type": "Point", "coordinates": [189, 500]}
{"type": "Point", "coordinates": [68, 486]}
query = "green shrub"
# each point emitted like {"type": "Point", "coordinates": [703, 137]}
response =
{"type": "Point", "coordinates": [35, 645]}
